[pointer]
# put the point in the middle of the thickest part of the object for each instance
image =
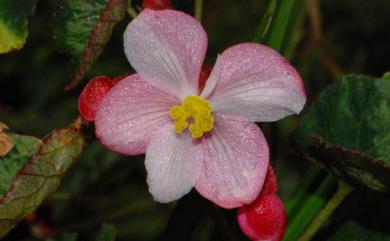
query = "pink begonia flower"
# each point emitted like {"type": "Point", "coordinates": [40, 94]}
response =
{"type": "Point", "coordinates": [205, 140]}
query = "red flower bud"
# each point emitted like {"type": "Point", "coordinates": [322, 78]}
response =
{"type": "Point", "coordinates": [270, 183]}
{"type": "Point", "coordinates": [204, 75]}
{"type": "Point", "coordinates": [156, 4]}
{"type": "Point", "coordinates": [92, 95]}
{"type": "Point", "coordinates": [265, 218]}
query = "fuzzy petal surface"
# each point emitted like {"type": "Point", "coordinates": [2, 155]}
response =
{"type": "Point", "coordinates": [256, 82]}
{"type": "Point", "coordinates": [131, 113]}
{"type": "Point", "coordinates": [236, 162]}
{"type": "Point", "coordinates": [167, 49]}
{"type": "Point", "coordinates": [173, 162]}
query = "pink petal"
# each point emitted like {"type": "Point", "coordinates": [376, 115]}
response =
{"type": "Point", "coordinates": [236, 162]}
{"type": "Point", "coordinates": [173, 163]}
{"type": "Point", "coordinates": [167, 49]}
{"type": "Point", "coordinates": [130, 114]}
{"type": "Point", "coordinates": [255, 81]}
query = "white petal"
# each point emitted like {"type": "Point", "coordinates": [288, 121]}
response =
{"type": "Point", "coordinates": [173, 162]}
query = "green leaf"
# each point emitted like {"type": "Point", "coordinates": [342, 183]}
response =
{"type": "Point", "coordinates": [24, 148]}
{"type": "Point", "coordinates": [107, 233]}
{"type": "Point", "coordinates": [282, 24]}
{"type": "Point", "coordinates": [353, 231]}
{"type": "Point", "coordinates": [39, 177]}
{"type": "Point", "coordinates": [83, 28]}
{"type": "Point", "coordinates": [348, 129]}
{"type": "Point", "coordinates": [13, 23]}
{"type": "Point", "coordinates": [265, 22]}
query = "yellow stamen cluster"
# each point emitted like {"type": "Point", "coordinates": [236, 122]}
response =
{"type": "Point", "coordinates": [194, 113]}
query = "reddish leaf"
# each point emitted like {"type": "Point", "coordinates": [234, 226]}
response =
{"type": "Point", "coordinates": [39, 177]}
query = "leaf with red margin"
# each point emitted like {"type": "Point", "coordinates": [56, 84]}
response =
{"type": "Point", "coordinates": [24, 148]}
{"type": "Point", "coordinates": [348, 129]}
{"type": "Point", "coordinates": [82, 28]}
{"type": "Point", "coordinates": [39, 177]}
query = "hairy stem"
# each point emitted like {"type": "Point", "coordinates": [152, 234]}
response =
{"type": "Point", "coordinates": [198, 9]}
{"type": "Point", "coordinates": [305, 202]}
{"type": "Point", "coordinates": [342, 192]}
{"type": "Point", "coordinates": [130, 10]}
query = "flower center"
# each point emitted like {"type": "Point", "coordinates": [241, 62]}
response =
{"type": "Point", "coordinates": [194, 113]}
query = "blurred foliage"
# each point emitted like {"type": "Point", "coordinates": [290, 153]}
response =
{"type": "Point", "coordinates": [355, 231]}
{"type": "Point", "coordinates": [330, 38]}
{"type": "Point", "coordinates": [13, 23]}
{"type": "Point", "coordinates": [107, 233]}
{"type": "Point", "coordinates": [362, 216]}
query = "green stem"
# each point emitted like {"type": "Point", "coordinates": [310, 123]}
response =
{"type": "Point", "coordinates": [265, 22]}
{"type": "Point", "coordinates": [341, 193]}
{"type": "Point", "coordinates": [130, 10]}
{"type": "Point", "coordinates": [300, 194]}
{"type": "Point", "coordinates": [306, 203]}
{"type": "Point", "coordinates": [198, 9]}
